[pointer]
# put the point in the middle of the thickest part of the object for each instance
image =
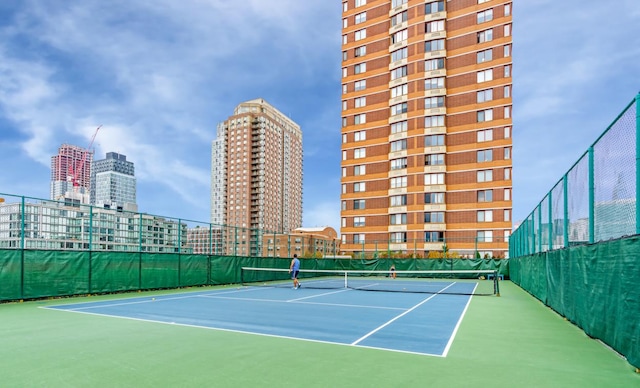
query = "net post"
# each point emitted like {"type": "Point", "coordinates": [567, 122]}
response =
{"type": "Point", "coordinates": [346, 284]}
{"type": "Point", "coordinates": [591, 198]}
{"type": "Point", "coordinates": [496, 284]}
{"type": "Point", "coordinates": [565, 226]}
{"type": "Point", "coordinates": [638, 163]}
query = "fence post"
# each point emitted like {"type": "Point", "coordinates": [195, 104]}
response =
{"type": "Point", "coordinates": [550, 220]}
{"type": "Point", "coordinates": [540, 227]}
{"type": "Point", "coordinates": [592, 186]}
{"type": "Point", "coordinates": [566, 211]}
{"type": "Point", "coordinates": [638, 163]}
{"type": "Point", "coordinates": [22, 210]}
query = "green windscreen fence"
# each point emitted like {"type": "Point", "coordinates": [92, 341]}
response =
{"type": "Point", "coordinates": [594, 286]}
{"type": "Point", "coordinates": [31, 274]}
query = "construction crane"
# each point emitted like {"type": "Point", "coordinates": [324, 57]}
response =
{"type": "Point", "coordinates": [75, 175]}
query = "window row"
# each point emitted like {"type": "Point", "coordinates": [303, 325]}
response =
{"type": "Point", "coordinates": [434, 217]}
{"type": "Point", "coordinates": [482, 236]}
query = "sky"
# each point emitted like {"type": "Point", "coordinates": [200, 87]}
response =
{"type": "Point", "coordinates": [159, 75]}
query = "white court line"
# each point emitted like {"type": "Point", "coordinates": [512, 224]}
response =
{"type": "Point", "coordinates": [399, 316]}
{"type": "Point", "coordinates": [147, 299]}
{"type": "Point", "coordinates": [298, 301]}
{"type": "Point", "coordinates": [323, 294]}
{"type": "Point", "coordinates": [455, 330]}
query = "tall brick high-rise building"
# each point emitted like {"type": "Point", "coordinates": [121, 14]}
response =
{"type": "Point", "coordinates": [426, 126]}
{"type": "Point", "coordinates": [256, 176]}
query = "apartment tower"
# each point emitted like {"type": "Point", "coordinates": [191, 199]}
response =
{"type": "Point", "coordinates": [71, 164]}
{"type": "Point", "coordinates": [256, 176]}
{"type": "Point", "coordinates": [113, 183]}
{"type": "Point", "coordinates": [426, 127]}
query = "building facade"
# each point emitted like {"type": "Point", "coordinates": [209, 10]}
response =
{"type": "Point", "coordinates": [317, 242]}
{"type": "Point", "coordinates": [113, 183]}
{"type": "Point", "coordinates": [70, 226]}
{"type": "Point", "coordinates": [71, 163]}
{"type": "Point", "coordinates": [256, 173]}
{"type": "Point", "coordinates": [426, 126]}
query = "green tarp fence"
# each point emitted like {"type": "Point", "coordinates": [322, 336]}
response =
{"type": "Point", "coordinates": [594, 286]}
{"type": "Point", "coordinates": [32, 274]}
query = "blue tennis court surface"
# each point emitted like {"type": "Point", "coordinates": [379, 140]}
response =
{"type": "Point", "coordinates": [404, 322]}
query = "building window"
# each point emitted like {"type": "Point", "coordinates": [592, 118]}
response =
{"type": "Point", "coordinates": [507, 71]}
{"type": "Point", "coordinates": [507, 10]}
{"type": "Point", "coordinates": [399, 36]}
{"type": "Point", "coordinates": [398, 219]}
{"type": "Point", "coordinates": [507, 132]}
{"type": "Point", "coordinates": [360, 136]}
{"type": "Point", "coordinates": [484, 96]}
{"type": "Point", "coordinates": [507, 50]}
{"type": "Point", "coordinates": [485, 156]}
{"type": "Point", "coordinates": [399, 145]}
{"type": "Point", "coordinates": [399, 54]}
{"type": "Point", "coordinates": [434, 121]}
{"type": "Point", "coordinates": [507, 215]}
{"type": "Point", "coordinates": [399, 90]}
{"type": "Point", "coordinates": [360, 3]}
{"type": "Point", "coordinates": [344, 189]}
{"type": "Point", "coordinates": [344, 172]}
{"type": "Point", "coordinates": [344, 222]}
{"type": "Point", "coordinates": [507, 91]}
{"type": "Point", "coordinates": [398, 182]}
{"type": "Point", "coordinates": [344, 39]}
{"type": "Point", "coordinates": [344, 55]}
{"type": "Point", "coordinates": [358, 187]}
{"type": "Point", "coordinates": [484, 56]}
{"type": "Point", "coordinates": [507, 153]}
{"type": "Point", "coordinates": [434, 140]}
{"type": "Point", "coordinates": [485, 135]}
{"type": "Point", "coordinates": [507, 112]}
{"type": "Point", "coordinates": [360, 119]}
{"type": "Point", "coordinates": [434, 217]}
{"type": "Point", "coordinates": [400, 126]}
{"type": "Point", "coordinates": [485, 176]}
{"type": "Point", "coordinates": [433, 102]}
{"type": "Point", "coordinates": [361, 34]}
{"type": "Point", "coordinates": [485, 16]}
{"type": "Point", "coordinates": [507, 194]}
{"type": "Point", "coordinates": [358, 238]}
{"type": "Point", "coordinates": [430, 198]}
{"type": "Point", "coordinates": [433, 236]}
{"type": "Point", "coordinates": [344, 105]}
{"type": "Point", "coordinates": [485, 196]}
{"type": "Point", "coordinates": [482, 1]}
{"type": "Point", "coordinates": [398, 237]}
{"type": "Point", "coordinates": [434, 26]}
{"type": "Point", "coordinates": [434, 45]}
{"type": "Point", "coordinates": [343, 206]}
{"type": "Point", "coordinates": [434, 160]}
{"type": "Point", "coordinates": [360, 85]}
{"type": "Point", "coordinates": [507, 174]}
{"type": "Point", "coordinates": [361, 18]}
{"type": "Point", "coordinates": [399, 72]}
{"type": "Point", "coordinates": [399, 18]}
{"type": "Point", "coordinates": [485, 115]}
{"type": "Point", "coordinates": [360, 102]}
{"type": "Point", "coordinates": [485, 36]}
{"type": "Point", "coordinates": [399, 164]}
{"type": "Point", "coordinates": [344, 155]}
{"type": "Point", "coordinates": [507, 30]}
{"type": "Point", "coordinates": [485, 75]}
{"type": "Point", "coordinates": [359, 153]}
{"type": "Point", "coordinates": [434, 83]}
{"type": "Point", "coordinates": [358, 221]}
{"type": "Point", "coordinates": [360, 68]}
{"type": "Point", "coordinates": [434, 179]}
{"type": "Point", "coordinates": [434, 64]}
{"type": "Point", "coordinates": [345, 7]}
{"type": "Point", "coordinates": [398, 200]}
{"type": "Point", "coordinates": [436, 6]}
{"type": "Point", "coordinates": [360, 51]}
{"type": "Point", "coordinates": [397, 3]}
{"type": "Point", "coordinates": [359, 170]}
{"type": "Point", "coordinates": [358, 204]}
{"type": "Point", "coordinates": [399, 109]}
{"type": "Point", "coordinates": [485, 236]}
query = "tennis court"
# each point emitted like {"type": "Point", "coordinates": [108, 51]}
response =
{"type": "Point", "coordinates": [416, 322]}
{"type": "Point", "coordinates": [500, 341]}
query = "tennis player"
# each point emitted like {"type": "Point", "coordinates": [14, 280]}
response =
{"type": "Point", "coordinates": [392, 271]}
{"type": "Point", "coordinates": [294, 269]}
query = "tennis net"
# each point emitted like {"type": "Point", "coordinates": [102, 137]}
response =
{"type": "Point", "coordinates": [461, 282]}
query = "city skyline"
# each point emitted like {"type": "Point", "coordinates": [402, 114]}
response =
{"type": "Point", "coordinates": [160, 92]}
